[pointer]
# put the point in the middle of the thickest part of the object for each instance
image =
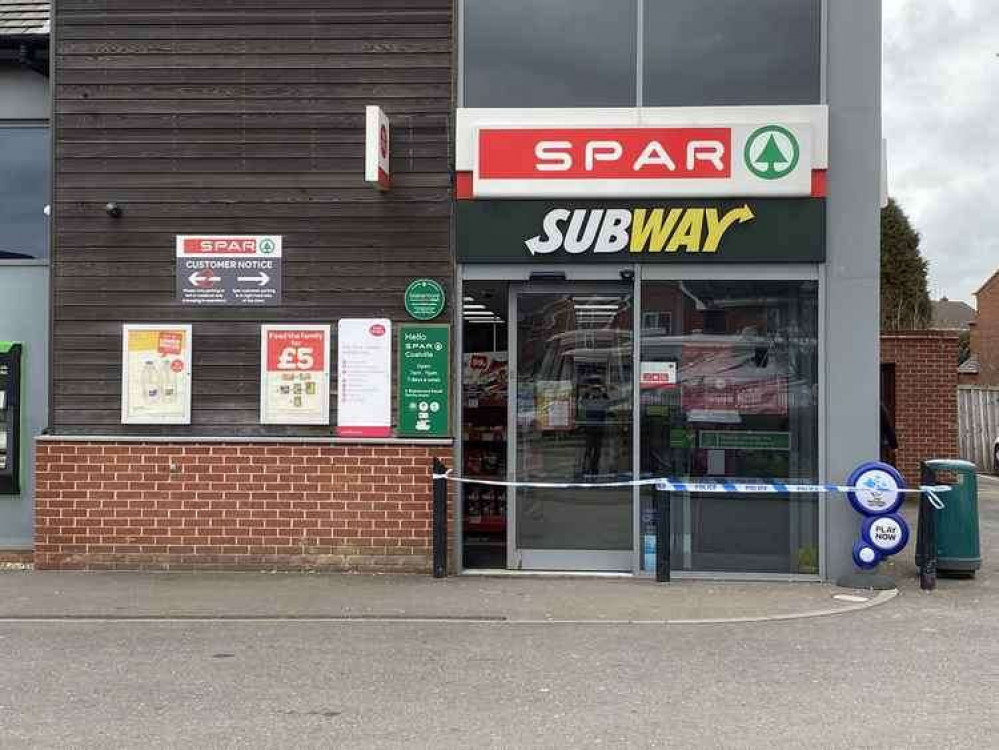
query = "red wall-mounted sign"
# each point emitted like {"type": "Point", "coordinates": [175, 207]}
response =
{"type": "Point", "coordinates": [605, 153]}
{"type": "Point", "coordinates": [377, 146]}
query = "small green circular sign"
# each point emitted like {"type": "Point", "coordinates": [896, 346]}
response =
{"type": "Point", "coordinates": [424, 299]}
{"type": "Point", "coordinates": [772, 152]}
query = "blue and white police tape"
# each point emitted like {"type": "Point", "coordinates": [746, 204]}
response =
{"type": "Point", "coordinates": [667, 484]}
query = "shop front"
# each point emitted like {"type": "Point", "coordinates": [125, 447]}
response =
{"type": "Point", "coordinates": [608, 339]}
{"type": "Point", "coordinates": [643, 234]}
{"type": "Point", "coordinates": [667, 255]}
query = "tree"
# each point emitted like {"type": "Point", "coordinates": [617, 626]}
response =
{"type": "Point", "coordinates": [905, 299]}
{"type": "Point", "coordinates": [963, 347]}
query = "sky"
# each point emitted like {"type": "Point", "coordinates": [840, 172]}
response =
{"type": "Point", "coordinates": [940, 109]}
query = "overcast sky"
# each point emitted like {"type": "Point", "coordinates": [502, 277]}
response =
{"type": "Point", "coordinates": [941, 119]}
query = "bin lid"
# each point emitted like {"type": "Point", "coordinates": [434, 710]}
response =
{"type": "Point", "coordinates": [950, 464]}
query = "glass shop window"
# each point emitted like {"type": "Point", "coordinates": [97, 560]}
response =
{"type": "Point", "coordinates": [557, 53]}
{"type": "Point", "coordinates": [585, 53]}
{"type": "Point", "coordinates": [729, 391]}
{"type": "Point", "coordinates": [731, 52]}
{"type": "Point", "coordinates": [24, 192]}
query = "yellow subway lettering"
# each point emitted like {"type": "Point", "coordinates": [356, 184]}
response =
{"type": "Point", "coordinates": [650, 230]}
{"type": "Point", "coordinates": [688, 233]}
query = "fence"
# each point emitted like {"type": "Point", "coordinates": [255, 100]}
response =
{"type": "Point", "coordinates": [978, 424]}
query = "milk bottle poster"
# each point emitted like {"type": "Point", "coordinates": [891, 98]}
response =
{"type": "Point", "coordinates": [156, 374]}
{"type": "Point", "coordinates": [295, 374]}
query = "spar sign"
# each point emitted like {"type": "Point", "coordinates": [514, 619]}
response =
{"type": "Point", "coordinates": [646, 152]}
{"type": "Point", "coordinates": [228, 269]}
{"type": "Point", "coordinates": [772, 159]}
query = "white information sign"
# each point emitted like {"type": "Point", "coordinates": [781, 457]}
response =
{"type": "Point", "coordinates": [219, 269]}
{"type": "Point", "coordinates": [364, 377]}
{"type": "Point", "coordinates": [657, 375]}
{"type": "Point", "coordinates": [156, 374]}
{"type": "Point", "coordinates": [295, 374]}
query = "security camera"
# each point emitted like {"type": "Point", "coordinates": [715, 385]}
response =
{"type": "Point", "coordinates": [627, 274]}
{"type": "Point", "coordinates": [112, 209]}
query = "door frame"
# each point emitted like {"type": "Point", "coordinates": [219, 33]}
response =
{"type": "Point", "coordinates": [581, 559]}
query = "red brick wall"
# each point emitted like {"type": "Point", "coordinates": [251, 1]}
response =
{"type": "Point", "coordinates": [925, 396]}
{"type": "Point", "coordinates": [967, 379]}
{"type": "Point", "coordinates": [16, 556]}
{"type": "Point", "coordinates": [234, 506]}
{"type": "Point", "coordinates": [985, 333]}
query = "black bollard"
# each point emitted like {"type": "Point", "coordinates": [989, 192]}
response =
{"type": "Point", "coordinates": [440, 520]}
{"type": "Point", "coordinates": [662, 536]}
{"type": "Point", "coordinates": [926, 539]}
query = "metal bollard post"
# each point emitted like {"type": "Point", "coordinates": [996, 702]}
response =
{"type": "Point", "coordinates": [440, 520]}
{"type": "Point", "coordinates": [662, 535]}
{"type": "Point", "coordinates": [926, 542]}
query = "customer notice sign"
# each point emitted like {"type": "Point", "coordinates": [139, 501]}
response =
{"type": "Point", "coordinates": [655, 231]}
{"type": "Point", "coordinates": [229, 270]}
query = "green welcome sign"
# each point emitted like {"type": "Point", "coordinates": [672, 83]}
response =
{"type": "Point", "coordinates": [745, 440]}
{"type": "Point", "coordinates": [424, 380]}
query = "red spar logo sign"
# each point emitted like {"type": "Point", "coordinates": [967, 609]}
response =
{"type": "Point", "coordinates": [220, 245]}
{"type": "Point", "coordinates": [605, 153]}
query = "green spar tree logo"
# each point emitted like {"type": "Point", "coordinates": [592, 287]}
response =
{"type": "Point", "coordinates": [772, 152]}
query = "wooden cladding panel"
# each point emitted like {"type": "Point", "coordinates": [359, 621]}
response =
{"type": "Point", "coordinates": [238, 116]}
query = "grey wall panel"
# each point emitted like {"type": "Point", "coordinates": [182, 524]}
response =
{"type": "Point", "coordinates": [853, 232]}
{"type": "Point", "coordinates": [24, 316]}
{"type": "Point", "coordinates": [24, 94]}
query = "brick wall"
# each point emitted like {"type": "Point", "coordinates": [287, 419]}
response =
{"type": "Point", "coordinates": [16, 556]}
{"type": "Point", "coordinates": [967, 378]}
{"type": "Point", "coordinates": [234, 506]}
{"type": "Point", "coordinates": [925, 396]}
{"type": "Point", "coordinates": [985, 332]}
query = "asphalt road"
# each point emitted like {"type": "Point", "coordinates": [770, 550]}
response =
{"type": "Point", "coordinates": [920, 671]}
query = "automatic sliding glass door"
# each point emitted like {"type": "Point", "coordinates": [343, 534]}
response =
{"type": "Point", "coordinates": [571, 418]}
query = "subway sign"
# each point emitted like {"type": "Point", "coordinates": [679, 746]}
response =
{"type": "Point", "coordinates": [770, 230]}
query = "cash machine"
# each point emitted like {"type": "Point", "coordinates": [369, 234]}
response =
{"type": "Point", "coordinates": [10, 418]}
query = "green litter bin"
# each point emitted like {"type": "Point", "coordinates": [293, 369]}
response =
{"type": "Point", "coordinates": [958, 548]}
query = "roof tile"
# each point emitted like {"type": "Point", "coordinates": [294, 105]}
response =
{"type": "Point", "coordinates": [24, 17]}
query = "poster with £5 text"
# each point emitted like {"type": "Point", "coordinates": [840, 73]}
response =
{"type": "Point", "coordinates": [295, 374]}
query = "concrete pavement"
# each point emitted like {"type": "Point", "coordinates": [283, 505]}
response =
{"type": "Point", "coordinates": [917, 673]}
{"type": "Point", "coordinates": [30, 595]}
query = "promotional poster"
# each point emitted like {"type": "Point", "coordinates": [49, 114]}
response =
{"type": "Point", "coordinates": [156, 374]}
{"type": "Point", "coordinates": [295, 374]}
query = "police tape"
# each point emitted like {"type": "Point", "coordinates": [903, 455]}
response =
{"type": "Point", "coordinates": [666, 484]}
